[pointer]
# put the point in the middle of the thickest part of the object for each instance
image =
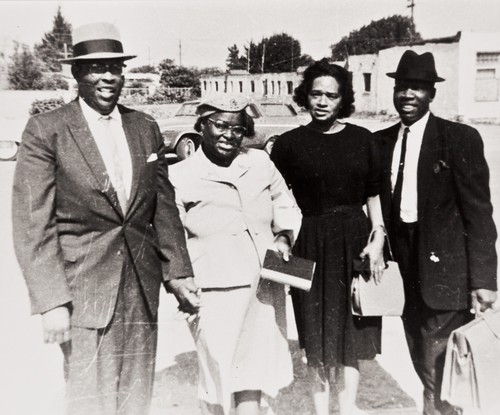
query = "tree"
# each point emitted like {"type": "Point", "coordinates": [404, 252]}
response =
{"type": "Point", "coordinates": [25, 69]}
{"type": "Point", "coordinates": [234, 60]}
{"type": "Point", "coordinates": [144, 69]}
{"type": "Point", "coordinates": [55, 44]}
{"type": "Point", "coordinates": [212, 70]}
{"type": "Point", "coordinates": [278, 53]}
{"type": "Point", "coordinates": [174, 76]}
{"type": "Point", "coordinates": [379, 34]}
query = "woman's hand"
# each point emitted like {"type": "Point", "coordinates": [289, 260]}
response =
{"type": "Point", "coordinates": [282, 245]}
{"type": "Point", "coordinates": [375, 252]}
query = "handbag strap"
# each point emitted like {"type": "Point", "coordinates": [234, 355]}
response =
{"type": "Point", "coordinates": [386, 240]}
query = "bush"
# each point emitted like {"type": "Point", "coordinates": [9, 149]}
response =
{"type": "Point", "coordinates": [43, 105]}
{"type": "Point", "coordinates": [51, 81]}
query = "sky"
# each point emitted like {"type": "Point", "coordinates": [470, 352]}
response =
{"type": "Point", "coordinates": [198, 32]}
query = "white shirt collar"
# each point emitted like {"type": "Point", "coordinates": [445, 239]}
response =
{"type": "Point", "coordinates": [418, 127]}
{"type": "Point", "coordinates": [92, 115]}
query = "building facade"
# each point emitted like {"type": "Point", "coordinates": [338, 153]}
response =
{"type": "Point", "coordinates": [469, 62]}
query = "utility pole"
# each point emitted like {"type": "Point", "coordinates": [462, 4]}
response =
{"type": "Point", "coordinates": [411, 6]}
{"type": "Point", "coordinates": [180, 53]}
{"type": "Point", "coordinates": [263, 54]}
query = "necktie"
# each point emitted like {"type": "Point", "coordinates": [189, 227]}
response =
{"type": "Point", "coordinates": [396, 196]}
{"type": "Point", "coordinates": [116, 175]}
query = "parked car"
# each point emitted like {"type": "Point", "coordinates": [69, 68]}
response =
{"type": "Point", "coordinates": [10, 138]}
{"type": "Point", "coordinates": [271, 119]}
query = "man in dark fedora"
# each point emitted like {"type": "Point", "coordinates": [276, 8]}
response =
{"type": "Point", "coordinates": [97, 231]}
{"type": "Point", "coordinates": [436, 203]}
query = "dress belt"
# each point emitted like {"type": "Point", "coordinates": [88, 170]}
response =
{"type": "Point", "coordinates": [332, 210]}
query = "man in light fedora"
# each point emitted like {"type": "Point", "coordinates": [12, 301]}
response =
{"type": "Point", "coordinates": [436, 203]}
{"type": "Point", "coordinates": [97, 231]}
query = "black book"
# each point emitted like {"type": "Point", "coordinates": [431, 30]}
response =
{"type": "Point", "coordinates": [297, 272]}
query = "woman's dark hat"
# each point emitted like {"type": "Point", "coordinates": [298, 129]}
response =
{"type": "Point", "coordinates": [416, 67]}
{"type": "Point", "coordinates": [97, 41]}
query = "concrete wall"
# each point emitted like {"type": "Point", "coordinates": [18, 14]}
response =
{"type": "Point", "coordinates": [271, 85]}
{"type": "Point", "coordinates": [470, 45]}
{"type": "Point", "coordinates": [361, 65]}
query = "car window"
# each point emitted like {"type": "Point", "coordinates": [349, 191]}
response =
{"type": "Point", "coordinates": [187, 109]}
{"type": "Point", "coordinates": [278, 110]}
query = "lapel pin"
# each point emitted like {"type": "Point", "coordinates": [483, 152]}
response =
{"type": "Point", "coordinates": [434, 258]}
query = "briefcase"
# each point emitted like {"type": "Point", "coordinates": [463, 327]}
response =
{"type": "Point", "coordinates": [471, 377]}
{"type": "Point", "coordinates": [385, 298]}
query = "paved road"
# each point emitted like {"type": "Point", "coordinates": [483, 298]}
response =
{"type": "Point", "coordinates": [31, 373]}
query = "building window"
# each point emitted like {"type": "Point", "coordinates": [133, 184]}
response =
{"type": "Point", "coordinates": [272, 87]}
{"type": "Point", "coordinates": [264, 85]}
{"type": "Point", "coordinates": [252, 86]}
{"type": "Point", "coordinates": [225, 86]}
{"type": "Point", "coordinates": [241, 87]}
{"type": "Point", "coordinates": [289, 87]}
{"type": "Point", "coordinates": [279, 87]}
{"type": "Point", "coordinates": [368, 81]}
{"type": "Point", "coordinates": [487, 85]}
{"type": "Point", "coordinates": [487, 58]}
{"type": "Point", "coordinates": [216, 86]}
{"type": "Point", "coordinates": [205, 85]}
{"type": "Point", "coordinates": [232, 87]}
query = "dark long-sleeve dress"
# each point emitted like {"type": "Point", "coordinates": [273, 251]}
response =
{"type": "Point", "coordinates": [331, 176]}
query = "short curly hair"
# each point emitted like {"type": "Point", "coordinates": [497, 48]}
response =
{"type": "Point", "coordinates": [341, 75]}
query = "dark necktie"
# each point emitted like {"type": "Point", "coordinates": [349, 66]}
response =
{"type": "Point", "coordinates": [396, 196]}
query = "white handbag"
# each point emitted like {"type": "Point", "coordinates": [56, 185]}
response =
{"type": "Point", "coordinates": [385, 298]}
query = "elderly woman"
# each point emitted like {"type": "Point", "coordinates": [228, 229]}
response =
{"type": "Point", "coordinates": [235, 205]}
{"type": "Point", "coordinates": [333, 170]}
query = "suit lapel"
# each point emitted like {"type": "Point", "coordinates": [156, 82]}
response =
{"type": "Point", "coordinates": [80, 132]}
{"type": "Point", "coordinates": [429, 153]}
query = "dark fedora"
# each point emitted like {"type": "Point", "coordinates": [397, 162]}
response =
{"type": "Point", "coordinates": [416, 67]}
{"type": "Point", "coordinates": [97, 41]}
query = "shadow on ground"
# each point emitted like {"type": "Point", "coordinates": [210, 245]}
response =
{"type": "Point", "coordinates": [176, 388]}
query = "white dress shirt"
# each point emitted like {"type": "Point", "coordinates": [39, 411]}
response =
{"type": "Point", "coordinates": [409, 210]}
{"type": "Point", "coordinates": [98, 131]}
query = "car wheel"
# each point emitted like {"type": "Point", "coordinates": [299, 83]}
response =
{"type": "Point", "coordinates": [185, 148]}
{"type": "Point", "coordinates": [8, 150]}
{"type": "Point", "coordinates": [268, 147]}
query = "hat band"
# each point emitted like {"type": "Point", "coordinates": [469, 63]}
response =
{"type": "Point", "coordinates": [412, 73]}
{"type": "Point", "coordinates": [97, 46]}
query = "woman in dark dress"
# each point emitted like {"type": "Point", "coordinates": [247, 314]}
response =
{"type": "Point", "coordinates": [333, 170]}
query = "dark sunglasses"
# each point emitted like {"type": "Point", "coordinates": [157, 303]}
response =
{"type": "Point", "coordinates": [102, 68]}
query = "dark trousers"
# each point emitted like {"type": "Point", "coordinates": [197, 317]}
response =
{"type": "Point", "coordinates": [427, 330]}
{"type": "Point", "coordinates": [110, 371]}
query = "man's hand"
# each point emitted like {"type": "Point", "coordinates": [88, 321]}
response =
{"type": "Point", "coordinates": [482, 299]}
{"type": "Point", "coordinates": [56, 325]}
{"type": "Point", "coordinates": [282, 245]}
{"type": "Point", "coordinates": [187, 294]}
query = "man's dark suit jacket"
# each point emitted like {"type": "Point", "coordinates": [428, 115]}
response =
{"type": "Point", "coordinates": [456, 251]}
{"type": "Point", "coordinates": [71, 237]}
